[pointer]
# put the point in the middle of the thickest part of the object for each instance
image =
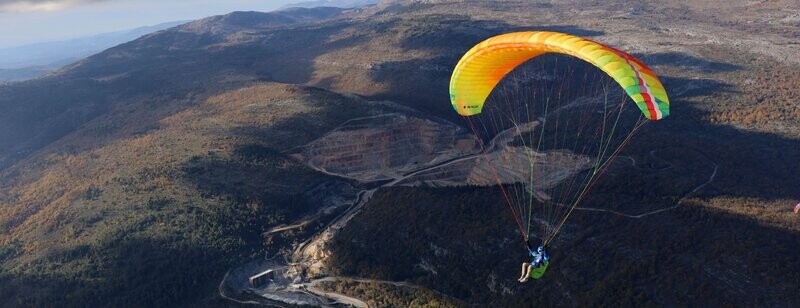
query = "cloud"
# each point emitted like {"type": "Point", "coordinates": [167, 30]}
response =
{"type": "Point", "coordinates": [22, 6]}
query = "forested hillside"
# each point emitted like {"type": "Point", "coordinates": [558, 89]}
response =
{"type": "Point", "coordinates": [141, 175]}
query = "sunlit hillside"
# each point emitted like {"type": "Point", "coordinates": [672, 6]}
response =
{"type": "Point", "coordinates": [168, 170]}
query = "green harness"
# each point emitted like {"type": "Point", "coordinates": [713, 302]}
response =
{"type": "Point", "coordinates": [537, 273]}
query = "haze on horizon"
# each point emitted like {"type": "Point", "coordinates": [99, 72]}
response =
{"type": "Point", "coordinates": [25, 22]}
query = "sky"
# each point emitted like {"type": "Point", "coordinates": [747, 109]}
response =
{"type": "Point", "coordinates": [32, 21]}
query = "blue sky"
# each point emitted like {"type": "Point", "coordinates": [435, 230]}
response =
{"type": "Point", "coordinates": [31, 21]}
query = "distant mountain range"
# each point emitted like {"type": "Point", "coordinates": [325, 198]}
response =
{"type": "Point", "coordinates": [332, 3]}
{"type": "Point", "coordinates": [152, 172]}
{"type": "Point", "coordinates": [34, 60]}
{"type": "Point", "coordinates": [18, 74]}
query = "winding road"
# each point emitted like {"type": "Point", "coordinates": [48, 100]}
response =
{"type": "Point", "coordinates": [305, 256]}
{"type": "Point", "coordinates": [347, 300]}
{"type": "Point", "coordinates": [680, 201]}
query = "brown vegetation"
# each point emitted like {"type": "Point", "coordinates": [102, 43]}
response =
{"type": "Point", "coordinates": [194, 195]}
{"type": "Point", "coordinates": [382, 295]}
{"type": "Point", "coordinates": [138, 176]}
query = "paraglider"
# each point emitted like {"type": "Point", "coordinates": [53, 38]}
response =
{"type": "Point", "coordinates": [548, 135]}
{"type": "Point", "coordinates": [483, 66]}
{"type": "Point", "coordinates": [540, 260]}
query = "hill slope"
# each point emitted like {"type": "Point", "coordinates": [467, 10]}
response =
{"type": "Point", "coordinates": [118, 169]}
{"type": "Point", "coordinates": [63, 52]}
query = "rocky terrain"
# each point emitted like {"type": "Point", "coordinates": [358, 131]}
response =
{"type": "Point", "coordinates": [385, 147]}
{"type": "Point", "coordinates": [143, 174]}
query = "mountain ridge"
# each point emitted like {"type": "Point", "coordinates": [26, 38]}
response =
{"type": "Point", "coordinates": [35, 60]}
{"type": "Point", "coordinates": [179, 144]}
{"type": "Point", "coordinates": [331, 3]}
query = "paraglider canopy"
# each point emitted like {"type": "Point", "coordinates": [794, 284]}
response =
{"type": "Point", "coordinates": [483, 66]}
{"type": "Point", "coordinates": [548, 128]}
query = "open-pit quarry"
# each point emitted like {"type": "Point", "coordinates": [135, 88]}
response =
{"type": "Point", "coordinates": [393, 149]}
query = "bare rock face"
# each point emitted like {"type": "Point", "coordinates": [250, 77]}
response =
{"type": "Point", "coordinates": [506, 164]}
{"type": "Point", "coordinates": [415, 151]}
{"type": "Point", "coordinates": [385, 147]}
{"type": "Point", "coordinates": [522, 165]}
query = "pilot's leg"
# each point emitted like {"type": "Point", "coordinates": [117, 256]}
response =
{"type": "Point", "coordinates": [524, 269]}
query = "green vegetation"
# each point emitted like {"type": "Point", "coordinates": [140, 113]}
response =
{"type": "Point", "coordinates": [139, 176]}
{"type": "Point", "coordinates": [158, 218]}
{"type": "Point", "coordinates": [383, 295]}
{"type": "Point", "coordinates": [462, 242]}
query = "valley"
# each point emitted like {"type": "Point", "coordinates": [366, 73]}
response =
{"type": "Point", "coordinates": [300, 273]}
{"type": "Point", "coordinates": [167, 170]}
